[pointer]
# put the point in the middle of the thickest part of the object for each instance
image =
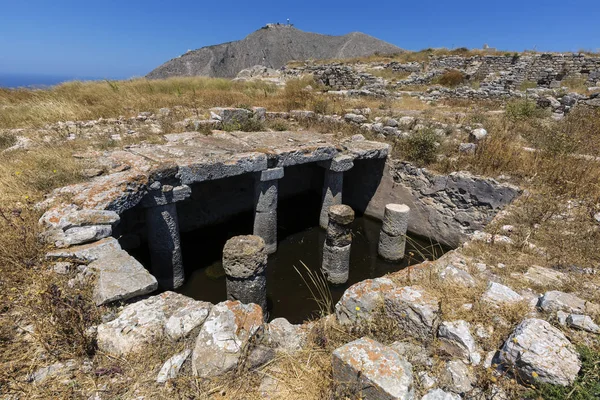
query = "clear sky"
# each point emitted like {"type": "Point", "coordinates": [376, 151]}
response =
{"type": "Point", "coordinates": [124, 38]}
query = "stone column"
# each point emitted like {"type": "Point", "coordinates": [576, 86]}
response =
{"type": "Point", "coordinates": [163, 233]}
{"type": "Point", "coordinates": [265, 206]}
{"type": "Point", "coordinates": [245, 264]}
{"type": "Point", "coordinates": [392, 238]}
{"type": "Point", "coordinates": [332, 186]}
{"type": "Point", "coordinates": [336, 251]}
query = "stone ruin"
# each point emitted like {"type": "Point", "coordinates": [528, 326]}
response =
{"type": "Point", "coordinates": [153, 192]}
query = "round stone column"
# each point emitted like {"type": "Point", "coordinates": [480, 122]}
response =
{"type": "Point", "coordinates": [165, 247]}
{"type": "Point", "coordinates": [392, 238]}
{"type": "Point", "coordinates": [245, 264]}
{"type": "Point", "coordinates": [265, 207]}
{"type": "Point", "coordinates": [336, 250]}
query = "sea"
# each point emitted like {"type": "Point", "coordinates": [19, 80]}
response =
{"type": "Point", "coordinates": [13, 81]}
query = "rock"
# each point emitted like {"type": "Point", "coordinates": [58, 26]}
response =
{"type": "Point", "coordinates": [457, 377]}
{"type": "Point", "coordinates": [168, 315]}
{"type": "Point", "coordinates": [231, 115]}
{"type": "Point", "coordinates": [467, 148]}
{"type": "Point", "coordinates": [172, 366]}
{"type": "Point", "coordinates": [456, 339]}
{"type": "Point", "coordinates": [415, 310]}
{"type": "Point", "coordinates": [362, 300]}
{"type": "Point", "coordinates": [555, 300]}
{"type": "Point", "coordinates": [413, 353]}
{"type": "Point", "coordinates": [562, 316]}
{"type": "Point", "coordinates": [62, 267]}
{"type": "Point", "coordinates": [376, 370]}
{"type": "Point", "coordinates": [357, 138]}
{"type": "Point", "coordinates": [355, 118]}
{"type": "Point", "coordinates": [478, 134]}
{"type": "Point", "coordinates": [86, 253]}
{"type": "Point", "coordinates": [120, 277]}
{"type": "Point", "coordinates": [283, 335]}
{"type": "Point", "coordinates": [54, 371]}
{"type": "Point", "coordinates": [544, 276]}
{"type": "Point", "coordinates": [457, 277]}
{"type": "Point", "coordinates": [302, 114]}
{"type": "Point", "coordinates": [426, 380]}
{"type": "Point", "coordinates": [498, 295]}
{"type": "Point", "coordinates": [391, 122]}
{"type": "Point", "coordinates": [406, 123]}
{"type": "Point", "coordinates": [224, 337]}
{"type": "Point", "coordinates": [583, 322]}
{"type": "Point", "coordinates": [439, 394]}
{"type": "Point", "coordinates": [540, 352]}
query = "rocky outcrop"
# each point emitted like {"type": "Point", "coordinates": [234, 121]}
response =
{"type": "Point", "coordinates": [272, 46]}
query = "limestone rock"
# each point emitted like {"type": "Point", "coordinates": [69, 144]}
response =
{"type": "Point", "coordinates": [439, 394]}
{"type": "Point", "coordinates": [478, 134]}
{"type": "Point", "coordinates": [120, 277]}
{"type": "Point", "coordinates": [376, 370]}
{"type": "Point", "coordinates": [172, 366]}
{"type": "Point", "coordinates": [457, 376]}
{"type": "Point", "coordinates": [545, 276]}
{"type": "Point", "coordinates": [224, 336]}
{"type": "Point", "coordinates": [583, 322]}
{"type": "Point", "coordinates": [457, 276]}
{"type": "Point", "coordinates": [284, 335]}
{"type": "Point", "coordinates": [244, 256]}
{"type": "Point", "coordinates": [540, 352]}
{"type": "Point", "coordinates": [168, 315]}
{"type": "Point", "coordinates": [413, 353]}
{"type": "Point", "coordinates": [457, 340]}
{"type": "Point", "coordinates": [560, 301]}
{"type": "Point", "coordinates": [498, 294]}
{"type": "Point", "coordinates": [362, 300]}
{"type": "Point", "coordinates": [87, 252]}
{"type": "Point", "coordinates": [415, 310]}
{"type": "Point", "coordinates": [355, 118]}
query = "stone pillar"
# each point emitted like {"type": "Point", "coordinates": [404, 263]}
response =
{"type": "Point", "coordinates": [392, 238]}
{"type": "Point", "coordinates": [336, 251]}
{"type": "Point", "coordinates": [245, 264]}
{"type": "Point", "coordinates": [163, 233]}
{"type": "Point", "coordinates": [333, 183]}
{"type": "Point", "coordinates": [265, 207]}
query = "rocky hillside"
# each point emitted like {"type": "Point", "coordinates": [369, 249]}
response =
{"type": "Point", "coordinates": [272, 46]}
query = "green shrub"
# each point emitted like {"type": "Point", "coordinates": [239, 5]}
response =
{"type": "Point", "coordinates": [421, 147]}
{"type": "Point", "coordinates": [451, 78]}
{"type": "Point", "coordinates": [279, 125]}
{"type": "Point", "coordinates": [523, 109]}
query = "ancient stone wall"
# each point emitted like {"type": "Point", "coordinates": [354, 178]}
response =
{"type": "Point", "coordinates": [445, 208]}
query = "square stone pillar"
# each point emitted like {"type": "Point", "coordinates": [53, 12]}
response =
{"type": "Point", "coordinates": [163, 233]}
{"type": "Point", "coordinates": [265, 206]}
{"type": "Point", "coordinates": [333, 184]}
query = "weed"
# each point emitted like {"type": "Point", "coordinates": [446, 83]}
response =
{"type": "Point", "coordinates": [319, 289]}
{"type": "Point", "coordinates": [523, 109]}
{"type": "Point", "coordinates": [451, 78]}
{"type": "Point", "coordinates": [420, 147]}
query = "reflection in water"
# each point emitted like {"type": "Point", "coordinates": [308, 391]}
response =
{"type": "Point", "coordinates": [287, 293]}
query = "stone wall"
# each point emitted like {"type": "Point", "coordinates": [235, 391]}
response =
{"type": "Point", "coordinates": [445, 208]}
{"type": "Point", "coordinates": [546, 70]}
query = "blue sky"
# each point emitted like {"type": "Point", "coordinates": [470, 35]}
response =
{"type": "Point", "coordinates": [120, 39]}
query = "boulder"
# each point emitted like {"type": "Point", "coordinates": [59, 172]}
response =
{"type": "Point", "coordinates": [362, 300]}
{"type": "Point", "coordinates": [224, 337]}
{"type": "Point", "coordinates": [415, 310]}
{"type": "Point", "coordinates": [583, 322]}
{"type": "Point", "coordinates": [373, 370]}
{"type": "Point", "coordinates": [457, 277]}
{"type": "Point", "coordinates": [498, 294]}
{"type": "Point", "coordinates": [355, 118]}
{"type": "Point", "coordinates": [413, 353]}
{"type": "Point", "coordinates": [540, 352]}
{"type": "Point", "coordinates": [555, 300]}
{"type": "Point", "coordinates": [478, 134]}
{"type": "Point", "coordinates": [232, 115]}
{"type": "Point", "coordinates": [168, 316]}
